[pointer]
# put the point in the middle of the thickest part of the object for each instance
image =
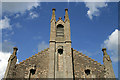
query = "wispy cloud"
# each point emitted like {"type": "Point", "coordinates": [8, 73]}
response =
{"type": "Point", "coordinates": [17, 7]}
{"type": "Point", "coordinates": [42, 46]}
{"type": "Point", "coordinates": [5, 23]}
{"type": "Point", "coordinates": [33, 15]}
{"type": "Point", "coordinates": [93, 8]}
{"type": "Point", "coordinates": [112, 45]}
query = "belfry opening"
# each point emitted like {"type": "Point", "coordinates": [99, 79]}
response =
{"type": "Point", "coordinates": [60, 31]}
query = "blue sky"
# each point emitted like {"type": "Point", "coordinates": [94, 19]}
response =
{"type": "Point", "coordinates": [29, 29]}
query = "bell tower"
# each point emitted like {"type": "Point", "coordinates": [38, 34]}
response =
{"type": "Point", "coordinates": [60, 48]}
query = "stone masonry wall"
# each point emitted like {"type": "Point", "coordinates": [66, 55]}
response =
{"type": "Point", "coordinates": [82, 65]}
{"type": "Point", "coordinates": [39, 61]}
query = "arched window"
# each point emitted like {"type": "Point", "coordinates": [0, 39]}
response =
{"type": "Point", "coordinates": [60, 31]}
{"type": "Point", "coordinates": [87, 71]}
{"type": "Point", "coordinates": [60, 50]}
{"type": "Point", "coordinates": [32, 71]}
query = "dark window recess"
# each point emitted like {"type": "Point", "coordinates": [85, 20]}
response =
{"type": "Point", "coordinates": [60, 51]}
{"type": "Point", "coordinates": [60, 31]}
{"type": "Point", "coordinates": [32, 71]}
{"type": "Point", "coordinates": [87, 71]}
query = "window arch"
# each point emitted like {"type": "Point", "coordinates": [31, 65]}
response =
{"type": "Point", "coordinates": [60, 31]}
{"type": "Point", "coordinates": [60, 50]}
{"type": "Point", "coordinates": [87, 71]}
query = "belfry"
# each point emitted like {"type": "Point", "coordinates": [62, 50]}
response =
{"type": "Point", "coordinates": [60, 60]}
{"type": "Point", "coordinates": [60, 47]}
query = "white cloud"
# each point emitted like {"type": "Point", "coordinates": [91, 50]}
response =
{"type": "Point", "coordinates": [5, 23]}
{"type": "Point", "coordinates": [18, 7]}
{"type": "Point", "coordinates": [3, 62]}
{"type": "Point", "coordinates": [4, 56]}
{"type": "Point", "coordinates": [112, 42]}
{"type": "Point", "coordinates": [94, 8]}
{"type": "Point", "coordinates": [112, 45]}
{"type": "Point", "coordinates": [33, 15]}
{"type": "Point", "coordinates": [42, 46]}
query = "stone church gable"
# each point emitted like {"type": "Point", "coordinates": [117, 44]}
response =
{"type": "Point", "coordinates": [38, 61]}
{"type": "Point", "coordinates": [86, 67]}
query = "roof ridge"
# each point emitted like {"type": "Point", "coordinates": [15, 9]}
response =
{"type": "Point", "coordinates": [34, 55]}
{"type": "Point", "coordinates": [87, 57]}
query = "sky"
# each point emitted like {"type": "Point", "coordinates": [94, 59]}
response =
{"type": "Point", "coordinates": [94, 25]}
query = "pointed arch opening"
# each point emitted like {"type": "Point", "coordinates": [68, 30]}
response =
{"type": "Point", "coordinates": [87, 71]}
{"type": "Point", "coordinates": [60, 31]}
{"type": "Point", "coordinates": [60, 50]}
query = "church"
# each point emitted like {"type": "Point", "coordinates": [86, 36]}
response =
{"type": "Point", "coordinates": [60, 60]}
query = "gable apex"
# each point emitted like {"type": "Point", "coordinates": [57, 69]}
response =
{"type": "Point", "coordinates": [60, 21]}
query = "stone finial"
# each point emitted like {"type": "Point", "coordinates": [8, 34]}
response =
{"type": "Point", "coordinates": [59, 18]}
{"type": "Point", "coordinates": [53, 14]}
{"type": "Point", "coordinates": [15, 50]}
{"type": "Point", "coordinates": [66, 15]}
{"type": "Point", "coordinates": [104, 51]}
{"type": "Point", "coordinates": [53, 9]}
{"type": "Point", "coordinates": [66, 9]}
